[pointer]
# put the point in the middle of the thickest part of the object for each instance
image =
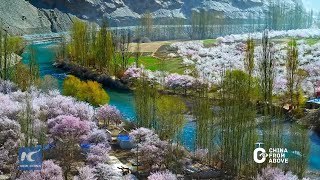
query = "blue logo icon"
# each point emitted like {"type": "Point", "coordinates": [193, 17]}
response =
{"type": "Point", "coordinates": [30, 158]}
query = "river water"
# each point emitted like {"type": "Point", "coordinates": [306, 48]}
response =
{"type": "Point", "coordinates": [125, 102]}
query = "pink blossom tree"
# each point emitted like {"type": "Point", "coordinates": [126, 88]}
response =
{"type": "Point", "coordinates": [142, 135]}
{"type": "Point", "coordinates": [10, 135]}
{"type": "Point", "coordinates": [150, 150]}
{"type": "Point", "coordinates": [152, 154]}
{"type": "Point", "coordinates": [9, 107]}
{"type": "Point", "coordinates": [99, 136]}
{"type": "Point", "coordinates": [67, 132]}
{"type": "Point", "coordinates": [177, 81]}
{"type": "Point", "coordinates": [49, 171]}
{"type": "Point", "coordinates": [162, 175]}
{"type": "Point", "coordinates": [108, 113]}
{"type": "Point", "coordinates": [7, 87]}
{"type": "Point", "coordinates": [69, 128]}
{"type": "Point", "coordinates": [85, 173]}
{"type": "Point", "coordinates": [105, 171]}
{"type": "Point", "coordinates": [56, 104]}
{"type": "Point", "coordinates": [4, 158]}
{"type": "Point", "coordinates": [98, 154]}
{"type": "Point", "coordinates": [313, 70]}
{"type": "Point", "coordinates": [132, 73]}
{"type": "Point", "coordinates": [273, 173]}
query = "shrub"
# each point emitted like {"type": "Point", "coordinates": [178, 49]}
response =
{"type": "Point", "coordinates": [201, 154]}
{"type": "Point", "coordinates": [132, 73]}
{"type": "Point", "coordinates": [96, 95]}
{"type": "Point", "coordinates": [90, 91]}
{"type": "Point", "coordinates": [48, 83]}
{"type": "Point", "coordinates": [177, 157]}
{"type": "Point", "coordinates": [70, 84]}
{"type": "Point", "coordinates": [21, 77]}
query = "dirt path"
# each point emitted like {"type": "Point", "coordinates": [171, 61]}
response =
{"type": "Point", "coordinates": [150, 47]}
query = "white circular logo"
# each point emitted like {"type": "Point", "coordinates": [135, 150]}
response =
{"type": "Point", "coordinates": [259, 155]}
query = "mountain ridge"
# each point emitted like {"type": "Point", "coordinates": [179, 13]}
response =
{"type": "Point", "coordinates": [44, 16]}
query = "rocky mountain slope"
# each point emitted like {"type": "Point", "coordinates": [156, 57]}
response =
{"type": "Point", "coordinates": [21, 17]}
{"type": "Point", "coordinates": [41, 16]}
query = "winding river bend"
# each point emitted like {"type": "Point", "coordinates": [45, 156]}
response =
{"type": "Point", "coordinates": [125, 101]}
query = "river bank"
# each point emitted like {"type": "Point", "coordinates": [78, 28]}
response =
{"type": "Point", "coordinates": [89, 74]}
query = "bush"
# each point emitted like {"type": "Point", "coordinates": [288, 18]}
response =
{"type": "Point", "coordinates": [21, 77]}
{"type": "Point", "coordinates": [70, 84]}
{"type": "Point", "coordinates": [95, 94]}
{"type": "Point", "coordinates": [90, 91]}
{"type": "Point", "coordinates": [48, 83]}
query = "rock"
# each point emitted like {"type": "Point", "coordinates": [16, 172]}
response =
{"type": "Point", "coordinates": [59, 21]}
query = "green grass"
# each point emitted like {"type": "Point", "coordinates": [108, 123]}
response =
{"type": "Point", "coordinates": [309, 41]}
{"type": "Point", "coordinates": [171, 65]}
{"type": "Point", "coordinates": [209, 42]}
{"type": "Point", "coordinates": [147, 61]}
{"type": "Point", "coordinates": [312, 41]}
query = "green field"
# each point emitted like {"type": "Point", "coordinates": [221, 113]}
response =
{"type": "Point", "coordinates": [309, 41]}
{"type": "Point", "coordinates": [209, 42]}
{"type": "Point", "coordinates": [312, 41]}
{"type": "Point", "coordinates": [173, 65]}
